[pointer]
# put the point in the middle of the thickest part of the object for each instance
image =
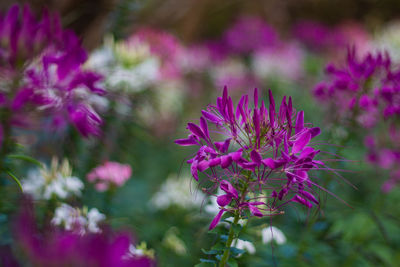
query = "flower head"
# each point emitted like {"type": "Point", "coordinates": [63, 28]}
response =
{"type": "Point", "coordinates": [263, 160]}
{"type": "Point", "coordinates": [110, 173]}
{"type": "Point", "coordinates": [78, 220]}
{"type": "Point", "coordinates": [54, 182]}
{"type": "Point", "coordinates": [42, 73]}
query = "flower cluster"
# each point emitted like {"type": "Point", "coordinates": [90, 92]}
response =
{"type": "Point", "coordinates": [68, 248]}
{"type": "Point", "coordinates": [176, 191]}
{"type": "Point", "coordinates": [54, 182]}
{"type": "Point", "coordinates": [144, 74]}
{"type": "Point", "coordinates": [320, 37]}
{"type": "Point", "coordinates": [365, 93]}
{"type": "Point", "coordinates": [42, 73]}
{"type": "Point", "coordinates": [78, 220]}
{"type": "Point", "coordinates": [262, 162]}
{"type": "Point", "coordinates": [22, 37]}
{"type": "Point", "coordinates": [110, 174]}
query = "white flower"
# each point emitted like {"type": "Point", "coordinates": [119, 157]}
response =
{"type": "Point", "coordinates": [93, 218]}
{"type": "Point", "coordinates": [272, 233]}
{"type": "Point", "coordinates": [389, 40]}
{"type": "Point", "coordinates": [77, 220]}
{"type": "Point", "coordinates": [177, 191]}
{"type": "Point", "coordinates": [135, 78]}
{"type": "Point", "coordinates": [33, 184]}
{"type": "Point", "coordinates": [244, 245]}
{"type": "Point", "coordinates": [56, 181]}
{"type": "Point", "coordinates": [139, 251]}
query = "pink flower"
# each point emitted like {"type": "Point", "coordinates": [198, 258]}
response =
{"type": "Point", "coordinates": [110, 172]}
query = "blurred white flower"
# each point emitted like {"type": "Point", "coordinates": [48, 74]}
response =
{"type": "Point", "coordinates": [272, 233]}
{"type": "Point", "coordinates": [244, 245]}
{"type": "Point", "coordinates": [135, 78]}
{"type": "Point", "coordinates": [138, 251]}
{"type": "Point", "coordinates": [286, 62]}
{"type": "Point", "coordinates": [77, 220]}
{"type": "Point", "coordinates": [56, 181]}
{"type": "Point", "coordinates": [389, 40]}
{"type": "Point", "coordinates": [177, 191]}
{"type": "Point", "coordinates": [127, 65]}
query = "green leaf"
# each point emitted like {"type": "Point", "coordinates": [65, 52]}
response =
{"type": "Point", "coordinates": [218, 246]}
{"type": "Point", "coordinates": [26, 158]}
{"type": "Point", "coordinates": [211, 252]}
{"type": "Point", "coordinates": [236, 251]}
{"type": "Point", "coordinates": [207, 261]}
{"type": "Point", "coordinates": [15, 179]}
{"type": "Point", "coordinates": [224, 238]}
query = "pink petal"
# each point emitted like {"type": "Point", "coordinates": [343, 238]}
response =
{"type": "Point", "coordinates": [301, 142]}
{"type": "Point", "coordinates": [224, 200]}
{"type": "Point", "coordinates": [216, 219]}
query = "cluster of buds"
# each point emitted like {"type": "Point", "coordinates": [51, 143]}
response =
{"type": "Point", "coordinates": [263, 161]}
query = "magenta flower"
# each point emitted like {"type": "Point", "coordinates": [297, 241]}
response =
{"type": "Point", "coordinates": [42, 73]}
{"type": "Point", "coordinates": [51, 247]}
{"type": "Point", "coordinates": [110, 173]}
{"type": "Point", "coordinates": [249, 34]}
{"type": "Point", "coordinates": [365, 93]}
{"type": "Point", "coordinates": [22, 37]}
{"type": "Point", "coordinates": [263, 160]}
{"type": "Point", "coordinates": [318, 36]}
{"type": "Point", "coordinates": [363, 89]}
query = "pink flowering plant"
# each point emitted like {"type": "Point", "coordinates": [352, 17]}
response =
{"type": "Point", "coordinates": [261, 162]}
{"type": "Point", "coordinates": [110, 174]}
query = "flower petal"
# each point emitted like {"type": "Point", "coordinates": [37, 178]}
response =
{"type": "Point", "coordinates": [224, 200]}
{"type": "Point", "coordinates": [301, 142]}
{"type": "Point", "coordinates": [216, 219]}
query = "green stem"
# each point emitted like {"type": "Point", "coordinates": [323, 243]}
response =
{"type": "Point", "coordinates": [225, 256]}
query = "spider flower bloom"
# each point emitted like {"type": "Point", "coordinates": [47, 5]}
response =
{"type": "Point", "coordinates": [41, 72]}
{"type": "Point", "coordinates": [364, 89]}
{"type": "Point", "coordinates": [22, 37]}
{"type": "Point", "coordinates": [261, 161]}
{"type": "Point", "coordinates": [110, 173]}
{"type": "Point", "coordinates": [58, 85]}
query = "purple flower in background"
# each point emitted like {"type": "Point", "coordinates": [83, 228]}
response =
{"type": "Point", "coordinates": [313, 34]}
{"type": "Point", "coordinates": [110, 173]}
{"type": "Point", "coordinates": [363, 89]}
{"type": "Point", "coordinates": [262, 160]}
{"type": "Point", "coordinates": [249, 34]}
{"type": "Point", "coordinates": [22, 37]}
{"type": "Point", "coordinates": [365, 93]}
{"type": "Point", "coordinates": [51, 247]}
{"type": "Point", "coordinates": [318, 36]}
{"type": "Point", "coordinates": [166, 47]}
{"type": "Point", "coordinates": [53, 82]}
